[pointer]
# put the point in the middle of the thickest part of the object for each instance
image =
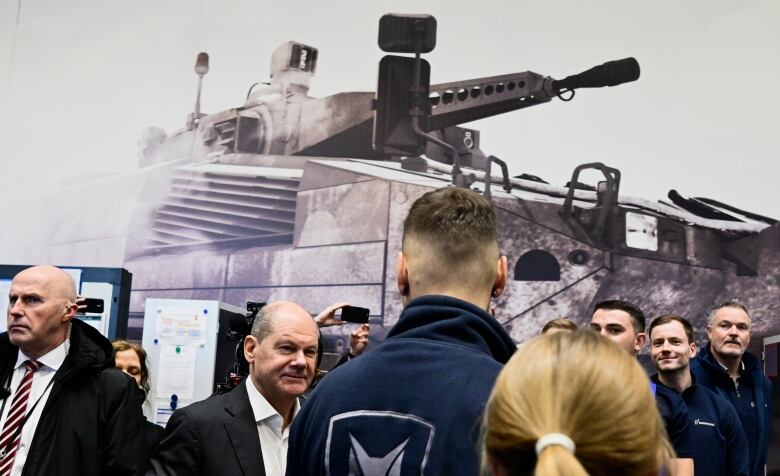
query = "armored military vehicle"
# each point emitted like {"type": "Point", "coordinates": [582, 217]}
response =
{"type": "Point", "coordinates": [288, 196]}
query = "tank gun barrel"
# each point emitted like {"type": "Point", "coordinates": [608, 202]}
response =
{"type": "Point", "coordinates": [465, 101]}
{"type": "Point", "coordinates": [611, 73]}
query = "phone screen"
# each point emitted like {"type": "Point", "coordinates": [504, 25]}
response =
{"type": "Point", "coordinates": [94, 306]}
{"type": "Point", "coordinates": [355, 314]}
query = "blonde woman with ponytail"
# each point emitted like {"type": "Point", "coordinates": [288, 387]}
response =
{"type": "Point", "coordinates": [573, 403]}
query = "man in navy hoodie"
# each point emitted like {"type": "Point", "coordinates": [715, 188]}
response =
{"type": "Point", "coordinates": [719, 444]}
{"type": "Point", "coordinates": [414, 404]}
{"type": "Point", "coordinates": [725, 367]}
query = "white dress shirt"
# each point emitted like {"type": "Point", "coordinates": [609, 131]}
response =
{"type": "Point", "coordinates": [39, 392]}
{"type": "Point", "coordinates": [273, 439]}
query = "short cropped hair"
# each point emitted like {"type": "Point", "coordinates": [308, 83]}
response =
{"type": "Point", "coordinates": [733, 302]}
{"type": "Point", "coordinates": [637, 316]}
{"type": "Point", "coordinates": [455, 231]}
{"type": "Point", "coordinates": [669, 318]}
{"type": "Point", "coordinates": [559, 324]}
{"type": "Point", "coordinates": [262, 326]}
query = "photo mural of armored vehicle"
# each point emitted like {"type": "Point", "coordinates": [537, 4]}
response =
{"type": "Point", "coordinates": [288, 196]}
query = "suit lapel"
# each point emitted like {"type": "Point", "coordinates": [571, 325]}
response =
{"type": "Point", "coordinates": [241, 428]}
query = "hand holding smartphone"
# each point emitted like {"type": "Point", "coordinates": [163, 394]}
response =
{"type": "Point", "coordinates": [89, 305]}
{"type": "Point", "coordinates": [358, 315]}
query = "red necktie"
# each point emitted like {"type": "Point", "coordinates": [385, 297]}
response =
{"type": "Point", "coordinates": [17, 415]}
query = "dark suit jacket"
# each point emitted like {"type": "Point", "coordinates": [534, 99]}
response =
{"type": "Point", "coordinates": [152, 435]}
{"type": "Point", "coordinates": [216, 436]}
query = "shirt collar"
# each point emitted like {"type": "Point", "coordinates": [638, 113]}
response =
{"type": "Point", "coordinates": [726, 369]}
{"type": "Point", "coordinates": [261, 409]}
{"type": "Point", "coordinates": [52, 359]}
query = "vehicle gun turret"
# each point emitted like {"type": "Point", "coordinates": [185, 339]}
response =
{"type": "Point", "coordinates": [281, 119]}
{"type": "Point", "coordinates": [292, 197]}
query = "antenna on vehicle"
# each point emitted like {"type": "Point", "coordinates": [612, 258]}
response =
{"type": "Point", "coordinates": [201, 68]}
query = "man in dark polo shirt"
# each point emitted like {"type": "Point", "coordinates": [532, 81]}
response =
{"type": "Point", "coordinates": [719, 444]}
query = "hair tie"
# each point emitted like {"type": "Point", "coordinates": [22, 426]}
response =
{"type": "Point", "coordinates": [554, 439]}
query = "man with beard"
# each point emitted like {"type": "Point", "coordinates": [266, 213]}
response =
{"type": "Point", "coordinates": [725, 367]}
{"type": "Point", "coordinates": [719, 444]}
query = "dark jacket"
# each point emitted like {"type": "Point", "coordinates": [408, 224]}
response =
{"type": "Point", "coordinates": [719, 444]}
{"type": "Point", "coordinates": [709, 373]}
{"type": "Point", "coordinates": [152, 435]}
{"type": "Point", "coordinates": [215, 436]}
{"type": "Point", "coordinates": [91, 424]}
{"type": "Point", "coordinates": [675, 415]}
{"type": "Point", "coordinates": [411, 406]}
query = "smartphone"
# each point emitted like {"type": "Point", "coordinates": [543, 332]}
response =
{"type": "Point", "coordinates": [94, 306]}
{"type": "Point", "coordinates": [358, 315]}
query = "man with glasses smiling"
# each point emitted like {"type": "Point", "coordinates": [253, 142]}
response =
{"type": "Point", "coordinates": [725, 367]}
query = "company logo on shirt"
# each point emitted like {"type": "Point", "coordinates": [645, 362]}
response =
{"type": "Point", "coordinates": [700, 422]}
{"type": "Point", "coordinates": [377, 443]}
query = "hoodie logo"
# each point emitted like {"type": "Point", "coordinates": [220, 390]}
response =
{"type": "Point", "coordinates": [388, 465]}
{"type": "Point", "coordinates": [377, 443]}
{"type": "Point", "coordinates": [705, 423]}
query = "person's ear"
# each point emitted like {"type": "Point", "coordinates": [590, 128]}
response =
{"type": "Point", "coordinates": [639, 341]}
{"type": "Point", "coordinates": [250, 347]}
{"type": "Point", "coordinates": [71, 308]}
{"type": "Point", "coordinates": [694, 349]}
{"type": "Point", "coordinates": [501, 276]}
{"type": "Point", "coordinates": [402, 274]}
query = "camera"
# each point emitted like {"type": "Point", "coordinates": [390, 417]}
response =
{"type": "Point", "coordinates": [239, 326]}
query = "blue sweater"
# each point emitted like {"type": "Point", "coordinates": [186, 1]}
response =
{"type": "Point", "coordinates": [675, 415]}
{"type": "Point", "coordinates": [411, 406]}
{"type": "Point", "coordinates": [753, 401]}
{"type": "Point", "coordinates": [719, 444]}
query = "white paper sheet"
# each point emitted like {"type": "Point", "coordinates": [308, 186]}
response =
{"type": "Point", "coordinates": [162, 415]}
{"type": "Point", "coordinates": [176, 371]}
{"type": "Point", "coordinates": [181, 326]}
